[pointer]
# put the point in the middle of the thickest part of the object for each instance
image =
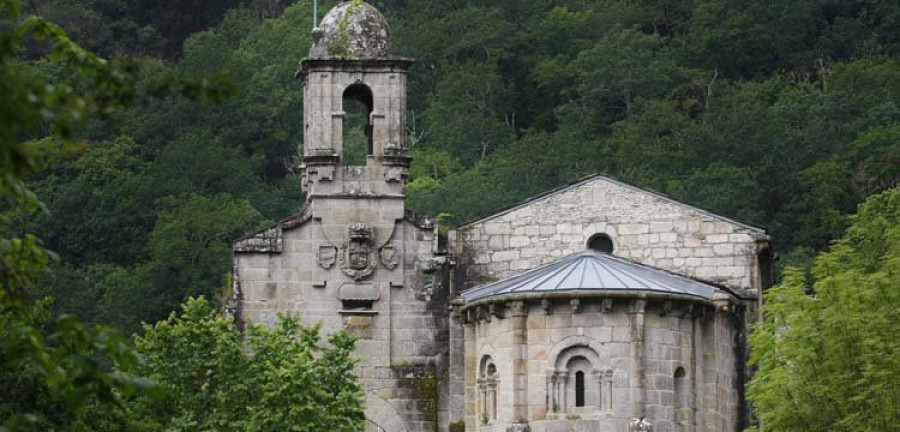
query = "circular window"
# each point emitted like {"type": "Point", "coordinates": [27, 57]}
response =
{"type": "Point", "coordinates": [601, 243]}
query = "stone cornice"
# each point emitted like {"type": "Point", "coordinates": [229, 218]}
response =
{"type": "Point", "coordinates": [732, 302]}
{"type": "Point", "coordinates": [399, 64]}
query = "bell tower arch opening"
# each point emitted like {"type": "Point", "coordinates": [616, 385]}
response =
{"type": "Point", "coordinates": [357, 103]}
{"type": "Point", "coordinates": [354, 108]}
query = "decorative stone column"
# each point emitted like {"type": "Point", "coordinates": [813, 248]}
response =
{"type": "Point", "coordinates": [550, 398]}
{"type": "Point", "coordinates": [470, 367]}
{"type": "Point", "coordinates": [562, 380]}
{"type": "Point", "coordinates": [607, 386]}
{"type": "Point", "coordinates": [518, 316]}
{"type": "Point", "coordinates": [639, 390]}
{"type": "Point", "coordinates": [601, 396]}
{"type": "Point", "coordinates": [492, 399]}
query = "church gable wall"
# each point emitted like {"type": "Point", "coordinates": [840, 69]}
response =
{"type": "Point", "coordinates": [270, 282]}
{"type": "Point", "coordinates": [644, 227]}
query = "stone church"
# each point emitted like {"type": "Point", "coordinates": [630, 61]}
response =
{"type": "Point", "coordinates": [598, 306]}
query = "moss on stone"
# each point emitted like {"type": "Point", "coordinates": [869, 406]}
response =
{"type": "Point", "coordinates": [367, 21]}
{"type": "Point", "coordinates": [340, 47]}
{"type": "Point", "coordinates": [422, 383]}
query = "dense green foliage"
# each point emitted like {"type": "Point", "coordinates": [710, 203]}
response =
{"type": "Point", "coordinates": [830, 361]}
{"type": "Point", "coordinates": [782, 114]}
{"type": "Point", "coordinates": [278, 378]}
{"type": "Point", "coordinates": [778, 114]}
{"type": "Point", "coordinates": [57, 373]}
{"type": "Point", "coordinates": [51, 367]}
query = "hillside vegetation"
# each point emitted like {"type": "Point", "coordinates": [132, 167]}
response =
{"type": "Point", "coordinates": [781, 114]}
{"type": "Point", "coordinates": [122, 183]}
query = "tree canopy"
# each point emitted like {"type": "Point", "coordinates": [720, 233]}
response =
{"type": "Point", "coordinates": [278, 378]}
{"type": "Point", "coordinates": [778, 114]}
{"type": "Point", "coordinates": [58, 373]}
{"type": "Point", "coordinates": [829, 361]}
{"type": "Point", "coordinates": [781, 114]}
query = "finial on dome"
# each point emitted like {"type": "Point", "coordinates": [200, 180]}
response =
{"type": "Point", "coordinates": [353, 29]}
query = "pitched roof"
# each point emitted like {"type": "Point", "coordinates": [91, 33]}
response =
{"type": "Point", "coordinates": [593, 271]}
{"type": "Point", "coordinates": [611, 179]}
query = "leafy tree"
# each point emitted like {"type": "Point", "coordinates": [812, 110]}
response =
{"type": "Point", "coordinates": [284, 379]}
{"type": "Point", "coordinates": [479, 90]}
{"type": "Point", "coordinates": [607, 78]}
{"type": "Point", "coordinates": [51, 366]}
{"type": "Point", "coordinates": [104, 195]}
{"type": "Point", "coordinates": [726, 189]}
{"type": "Point", "coordinates": [751, 38]}
{"type": "Point", "coordinates": [830, 361]}
{"type": "Point", "coordinates": [778, 113]}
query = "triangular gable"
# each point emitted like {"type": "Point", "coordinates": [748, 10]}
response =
{"type": "Point", "coordinates": [611, 179]}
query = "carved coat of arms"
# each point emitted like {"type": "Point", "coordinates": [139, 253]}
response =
{"type": "Point", "coordinates": [356, 256]}
{"type": "Point", "coordinates": [327, 256]}
{"type": "Point", "coordinates": [390, 257]}
{"type": "Point", "coordinates": [359, 255]}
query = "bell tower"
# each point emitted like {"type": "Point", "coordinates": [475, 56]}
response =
{"type": "Point", "coordinates": [354, 258]}
{"type": "Point", "coordinates": [350, 65]}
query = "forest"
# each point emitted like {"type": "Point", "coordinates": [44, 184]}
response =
{"type": "Point", "coordinates": [780, 114]}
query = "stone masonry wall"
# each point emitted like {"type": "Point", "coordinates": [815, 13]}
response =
{"type": "Point", "coordinates": [685, 336]}
{"type": "Point", "coordinates": [644, 227]}
{"type": "Point", "coordinates": [401, 338]}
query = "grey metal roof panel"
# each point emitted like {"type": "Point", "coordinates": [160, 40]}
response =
{"type": "Point", "coordinates": [591, 270]}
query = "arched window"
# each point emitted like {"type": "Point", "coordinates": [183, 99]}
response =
{"type": "Point", "coordinates": [487, 390]}
{"type": "Point", "coordinates": [580, 392]}
{"type": "Point", "coordinates": [579, 389]}
{"type": "Point", "coordinates": [579, 384]}
{"type": "Point", "coordinates": [357, 131]}
{"type": "Point", "coordinates": [601, 243]}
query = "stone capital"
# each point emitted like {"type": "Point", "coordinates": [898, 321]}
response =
{"type": "Point", "coordinates": [518, 426]}
{"type": "Point", "coordinates": [516, 309]}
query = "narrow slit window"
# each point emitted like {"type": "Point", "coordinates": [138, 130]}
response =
{"type": "Point", "coordinates": [357, 305]}
{"type": "Point", "coordinates": [579, 389]}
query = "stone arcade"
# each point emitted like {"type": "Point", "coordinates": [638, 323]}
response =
{"type": "Point", "coordinates": [598, 306]}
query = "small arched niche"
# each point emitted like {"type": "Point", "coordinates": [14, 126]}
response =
{"type": "Point", "coordinates": [356, 132]}
{"type": "Point", "coordinates": [579, 384]}
{"type": "Point", "coordinates": [601, 242]}
{"type": "Point", "coordinates": [487, 390]}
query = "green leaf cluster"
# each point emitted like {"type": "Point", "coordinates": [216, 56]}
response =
{"type": "Point", "coordinates": [778, 114]}
{"type": "Point", "coordinates": [51, 366]}
{"type": "Point", "coordinates": [282, 377]}
{"type": "Point", "coordinates": [830, 360]}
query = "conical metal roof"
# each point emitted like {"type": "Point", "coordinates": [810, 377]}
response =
{"type": "Point", "coordinates": [593, 271]}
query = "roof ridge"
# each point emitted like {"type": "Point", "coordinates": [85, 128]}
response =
{"type": "Point", "coordinates": [589, 178]}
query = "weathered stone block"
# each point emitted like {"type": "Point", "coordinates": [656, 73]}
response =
{"type": "Point", "coordinates": [625, 229]}
{"type": "Point", "coordinates": [724, 249]}
{"type": "Point", "coordinates": [492, 228]}
{"type": "Point", "coordinates": [507, 255]}
{"type": "Point", "coordinates": [661, 227]}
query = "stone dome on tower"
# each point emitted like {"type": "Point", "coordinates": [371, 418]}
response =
{"type": "Point", "coordinates": [352, 30]}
